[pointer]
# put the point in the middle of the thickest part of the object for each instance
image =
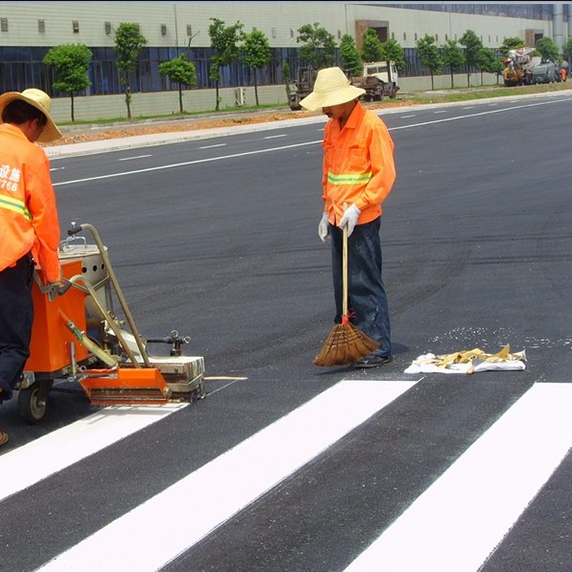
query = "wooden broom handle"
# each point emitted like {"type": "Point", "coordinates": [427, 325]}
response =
{"type": "Point", "coordinates": [345, 270]}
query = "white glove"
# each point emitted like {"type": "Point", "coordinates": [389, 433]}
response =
{"type": "Point", "coordinates": [323, 228]}
{"type": "Point", "coordinates": [350, 218]}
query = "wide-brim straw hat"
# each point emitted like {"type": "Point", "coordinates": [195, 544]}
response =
{"type": "Point", "coordinates": [332, 87]}
{"type": "Point", "coordinates": [40, 100]}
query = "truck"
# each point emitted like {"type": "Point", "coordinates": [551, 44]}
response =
{"type": "Point", "coordinates": [518, 67]}
{"type": "Point", "coordinates": [387, 84]}
{"type": "Point", "coordinates": [302, 86]}
{"type": "Point", "coordinates": [522, 68]}
{"type": "Point", "coordinates": [377, 81]}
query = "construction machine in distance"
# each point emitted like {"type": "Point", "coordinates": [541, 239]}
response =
{"type": "Point", "coordinates": [521, 67]}
{"type": "Point", "coordinates": [84, 333]}
{"type": "Point", "coordinates": [378, 79]}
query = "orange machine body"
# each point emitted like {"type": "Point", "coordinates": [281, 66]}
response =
{"type": "Point", "coordinates": [51, 345]}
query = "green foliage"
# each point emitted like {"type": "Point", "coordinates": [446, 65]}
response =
{"type": "Point", "coordinates": [256, 50]}
{"type": "Point", "coordinates": [128, 44]}
{"type": "Point", "coordinates": [512, 43]}
{"type": "Point", "coordinates": [70, 63]}
{"type": "Point", "coordinates": [256, 54]}
{"type": "Point", "coordinates": [567, 49]}
{"type": "Point", "coordinates": [393, 52]}
{"type": "Point", "coordinates": [318, 45]}
{"type": "Point", "coordinates": [548, 49]}
{"type": "Point", "coordinates": [429, 55]}
{"type": "Point", "coordinates": [473, 46]}
{"type": "Point", "coordinates": [181, 71]}
{"type": "Point", "coordinates": [350, 56]}
{"type": "Point", "coordinates": [372, 48]}
{"type": "Point", "coordinates": [226, 49]}
{"type": "Point", "coordinates": [453, 57]}
{"type": "Point", "coordinates": [487, 61]}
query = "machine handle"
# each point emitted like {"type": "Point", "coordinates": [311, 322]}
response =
{"type": "Point", "coordinates": [75, 229]}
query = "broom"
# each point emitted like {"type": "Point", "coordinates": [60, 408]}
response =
{"type": "Point", "coordinates": [346, 343]}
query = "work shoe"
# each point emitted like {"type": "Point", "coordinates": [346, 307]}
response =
{"type": "Point", "coordinates": [372, 361]}
{"type": "Point", "coordinates": [3, 438]}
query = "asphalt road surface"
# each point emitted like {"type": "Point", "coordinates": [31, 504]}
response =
{"type": "Point", "coordinates": [284, 466]}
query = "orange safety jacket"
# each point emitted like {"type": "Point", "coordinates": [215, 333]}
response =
{"type": "Point", "coordinates": [28, 212]}
{"type": "Point", "coordinates": [359, 166]}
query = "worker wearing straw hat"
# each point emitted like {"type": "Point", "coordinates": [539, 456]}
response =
{"type": "Point", "coordinates": [358, 175]}
{"type": "Point", "coordinates": [29, 226]}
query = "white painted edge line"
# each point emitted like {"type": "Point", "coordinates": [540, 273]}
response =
{"type": "Point", "coordinates": [184, 513]}
{"type": "Point", "coordinates": [462, 517]}
{"type": "Point", "coordinates": [47, 455]}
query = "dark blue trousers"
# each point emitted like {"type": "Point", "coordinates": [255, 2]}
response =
{"type": "Point", "coordinates": [16, 317]}
{"type": "Point", "coordinates": [367, 300]}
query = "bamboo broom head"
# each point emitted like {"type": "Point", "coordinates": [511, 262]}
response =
{"type": "Point", "coordinates": [345, 344]}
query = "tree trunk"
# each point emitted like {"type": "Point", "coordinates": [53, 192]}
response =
{"type": "Point", "coordinates": [256, 89]}
{"type": "Point", "coordinates": [180, 99]}
{"type": "Point", "coordinates": [72, 108]}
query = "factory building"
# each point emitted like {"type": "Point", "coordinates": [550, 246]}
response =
{"type": "Point", "coordinates": [29, 29]}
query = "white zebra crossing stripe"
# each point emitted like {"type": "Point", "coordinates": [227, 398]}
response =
{"type": "Point", "coordinates": [184, 513]}
{"type": "Point", "coordinates": [459, 521]}
{"type": "Point", "coordinates": [50, 454]}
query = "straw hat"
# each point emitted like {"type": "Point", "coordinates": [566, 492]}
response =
{"type": "Point", "coordinates": [332, 87]}
{"type": "Point", "coordinates": [40, 100]}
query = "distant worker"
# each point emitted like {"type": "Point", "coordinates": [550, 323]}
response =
{"type": "Point", "coordinates": [29, 225]}
{"type": "Point", "coordinates": [563, 73]}
{"type": "Point", "coordinates": [358, 171]}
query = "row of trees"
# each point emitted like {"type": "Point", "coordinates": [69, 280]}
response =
{"type": "Point", "coordinates": [71, 62]}
{"type": "Point", "coordinates": [476, 56]}
{"type": "Point", "coordinates": [318, 48]}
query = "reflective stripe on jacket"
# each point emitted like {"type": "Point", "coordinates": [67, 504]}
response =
{"type": "Point", "coordinates": [28, 212]}
{"type": "Point", "coordinates": [359, 166]}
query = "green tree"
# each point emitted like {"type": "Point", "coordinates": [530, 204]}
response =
{"type": "Point", "coordinates": [429, 55]}
{"type": "Point", "coordinates": [70, 63]}
{"type": "Point", "coordinates": [225, 42]}
{"type": "Point", "coordinates": [372, 48]}
{"type": "Point", "coordinates": [567, 52]}
{"type": "Point", "coordinates": [512, 43]}
{"type": "Point", "coordinates": [548, 49]}
{"type": "Point", "coordinates": [350, 56]}
{"type": "Point", "coordinates": [318, 45]}
{"type": "Point", "coordinates": [128, 44]}
{"type": "Point", "coordinates": [473, 46]}
{"type": "Point", "coordinates": [487, 61]}
{"type": "Point", "coordinates": [181, 71]}
{"type": "Point", "coordinates": [453, 57]}
{"type": "Point", "coordinates": [256, 55]}
{"type": "Point", "coordinates": [393, 52]}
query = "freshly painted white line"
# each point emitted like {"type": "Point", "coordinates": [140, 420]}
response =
{"type": "Point", "coordinates": [133, 158]}
{"type": "Point", "coordinates": [462, 517]}
{"type": "Point", "coordinates": [185, 163]}
{"type": "Point", "coordinates": [275, 136]}
{"type": "Point", "coordinates": [213, 146]}
{"type": "Point", "coordinates": [184, 513]}
{"type": "Point", "coordinates": [47, 455]}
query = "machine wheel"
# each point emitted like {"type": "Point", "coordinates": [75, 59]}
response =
{"type": "Point", "coordinates": [33, 401]}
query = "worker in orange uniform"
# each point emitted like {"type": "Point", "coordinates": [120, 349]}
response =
{"type": "Point", "coordinates": [29, 226]}
{"type": "Point", "coordinates": [358, 172]}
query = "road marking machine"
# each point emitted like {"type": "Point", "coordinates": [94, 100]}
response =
{"type": "Point", "coordinates": [78, 336]}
